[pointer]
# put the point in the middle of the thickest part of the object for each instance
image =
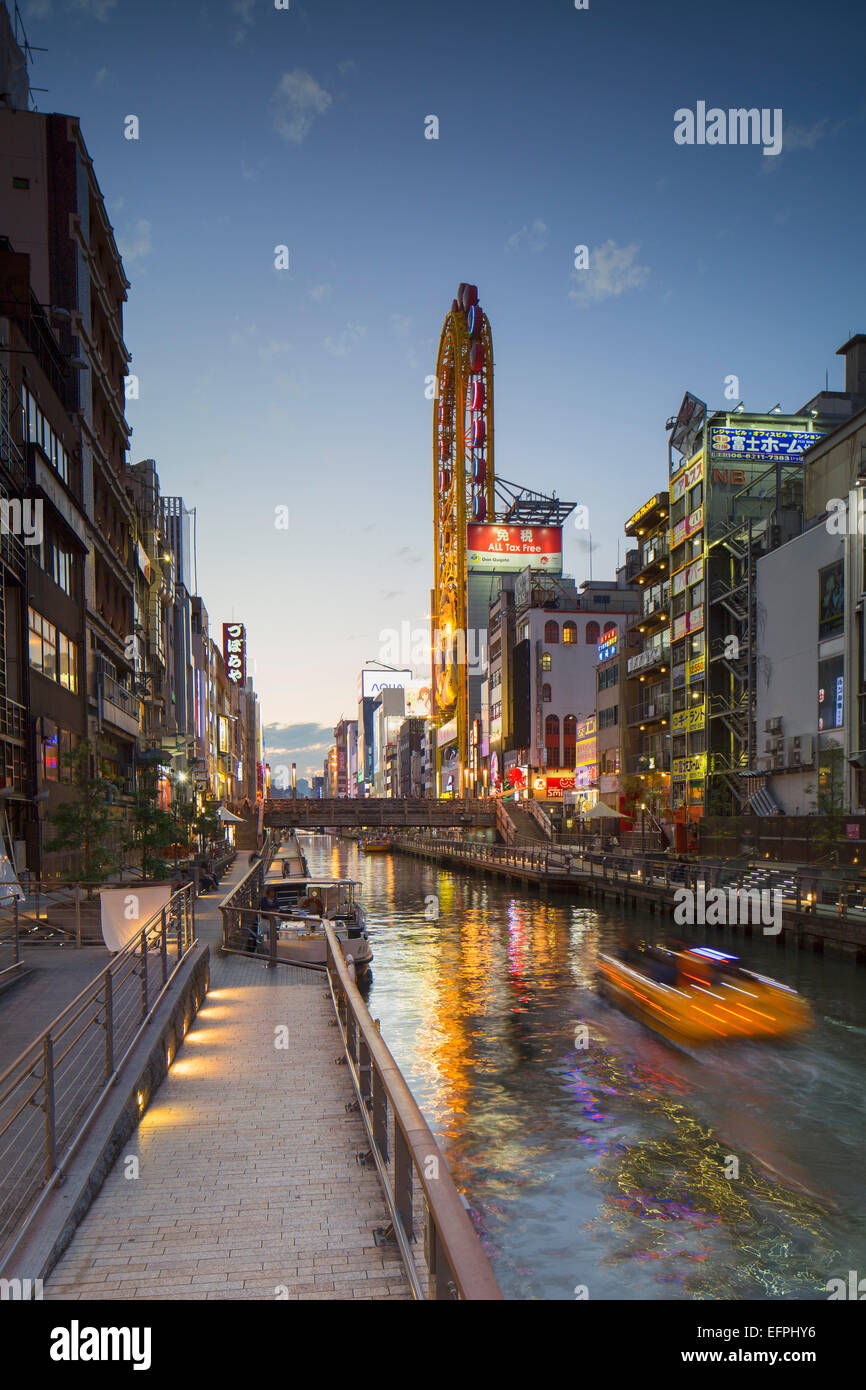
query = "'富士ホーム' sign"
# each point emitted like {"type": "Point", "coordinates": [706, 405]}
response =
{"type": "Point", "coordinates": [491, 547]}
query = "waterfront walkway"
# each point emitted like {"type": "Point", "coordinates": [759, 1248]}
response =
{"type": "Point", "coordinates": [247, 1183]}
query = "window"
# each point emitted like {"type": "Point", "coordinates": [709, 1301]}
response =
{"type": "Point", "coordinates": [524, 632]}
{"type": "Point", "coordinates": [52, 654]}
{"type": "Point", "coordinates": [23, 184]}
{"type": "Point", "coordinates": [569, 633]}
{"type": "Point", "coordinates": [831, 599]}
{"type": "Point", "coordinates": [569, 740]}
{"type": "Point", "coordinates": [551, 633]}
{"type": "Point", "coordinates": [50, 754]}
{"type": "Point", "coordinates": [592, 634]}
{"type": "Point", "coordinates": [545, 661]}
{"type": "Point", "coordinates": [35, 429]}
{"type": "Point", "coordinates": [609, 629]}
{"type": "Point", "coordinates": [61, 568]}
{"type": "Point", "coordinates": [831, 693]}
{"type": "Point", "coordinates": [551, 740]}
{"type": "Point", "coordinates": [608, 717]}
{"type": "Point", "coordinates": [546, 696]}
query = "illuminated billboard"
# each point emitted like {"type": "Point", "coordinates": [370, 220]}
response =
{"type": "Point", "coordinates": [235, 652]}
{"type": "Point", "coordinates": [374, 682]}
{"type": "Point", "coordinates": [508, 548]}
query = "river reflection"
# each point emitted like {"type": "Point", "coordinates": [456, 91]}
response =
{"type": "Point", "coordinates": [610, 1165]}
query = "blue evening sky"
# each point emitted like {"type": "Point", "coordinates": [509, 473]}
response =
{"type": "Point", "coordinates": [304, 388]}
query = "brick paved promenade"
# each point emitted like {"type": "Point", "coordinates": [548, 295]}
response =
{"type": "Point", "coordinates": [248, 1185]}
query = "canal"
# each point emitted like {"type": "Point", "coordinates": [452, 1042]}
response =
{"type": "Point", "coordinates": [603, 1167]}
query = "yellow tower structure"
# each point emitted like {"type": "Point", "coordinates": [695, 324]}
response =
{"type": "Point", "coordinates": [463, 492]}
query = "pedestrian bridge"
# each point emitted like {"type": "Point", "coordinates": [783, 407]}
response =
{"type": "Point", "coordinates": [374, 813]}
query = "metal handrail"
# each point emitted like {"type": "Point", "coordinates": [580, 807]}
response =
{"type": "Point", "coordinates": [248, 890]}
{"type": "Point", "coordinates": [51, 1093]}
{"type": "Point", "coordinates": [456, 1265]}
{"type": "Point", "coordinates": [808, 893]}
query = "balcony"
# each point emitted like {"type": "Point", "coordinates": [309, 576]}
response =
{"type": "Point", "coordinates": [642, 763]}
{"type": "Point", "coordinates": [649, 659]}
{"type": "Point", "coordinates": [648, 710]}
{"type": "Point", "coordinates": [13, 719]}
{"type": "Point", "coordinates": [654, 553]}
{"type": "Point", "coordinates": [119, 706]}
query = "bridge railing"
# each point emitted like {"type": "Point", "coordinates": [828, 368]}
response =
{"type": "Point", "coordinates": [442, 1253]}
{"type": "Point", "coordinates": [50, 1094]}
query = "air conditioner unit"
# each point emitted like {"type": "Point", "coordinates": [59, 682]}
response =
{"type": "Point", "coordinates": [795, 758]}
{"type": "Point", "coordinates": [768, 724]}
{"type": "Point", "coordinates": [779, 764]}
{"type": "Point", "coordinates": [769, 745]}
{"type": "Point", "coordinates": [795, 742]}
{"type": "Point", "coordinates": [776, 725]}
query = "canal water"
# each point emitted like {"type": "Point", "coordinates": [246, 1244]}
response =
{"type": "Point", "coordinates": [603, 1168]}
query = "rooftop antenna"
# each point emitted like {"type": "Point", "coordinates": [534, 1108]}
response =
{"type": "Point", "coordinates": [28, 49]}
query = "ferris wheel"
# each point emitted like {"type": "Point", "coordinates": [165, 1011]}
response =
{"type": "Point", "coordinates": [463, 492]}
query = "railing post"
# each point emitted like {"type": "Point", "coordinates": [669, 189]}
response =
{"type": "Point", "coordinates": [48, 1105]}
{"type": "Point", "coordinates": [77, 897]}
{"type": "Point", "coordinates": [109, 1023]}
{"type": "Point", "coordinates": [403, 1181]}
{"type": "Point", "coordinates": [163, 946]}
{"type": "Point", "coordinates": [365, 1069]}
{"type": "Point", "coordinates": [17, 939]}
{"type": "Point", "coordinates": [380, 1116]}
{"type": "Point", "coordinates": [144, 1004]}
{"type": "Point", "coordinates": [443, 1286]}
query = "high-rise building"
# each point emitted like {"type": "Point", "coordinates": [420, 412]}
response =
{"type": "Point", "coordinates": [736, 493]}
{"type": "Point", "coordinates": [646, 695]}
{"type": "Point", "coordinates": [53, 211]}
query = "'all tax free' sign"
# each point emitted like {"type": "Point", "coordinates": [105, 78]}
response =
{"type": "Point", "coordinates": [235, 652]}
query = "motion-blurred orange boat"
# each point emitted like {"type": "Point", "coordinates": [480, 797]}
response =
{"type": "Point", "coordinates": [700, 996]}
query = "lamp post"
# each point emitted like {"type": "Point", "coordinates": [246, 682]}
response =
{"type": "Point", "coordinates": [294, 782]}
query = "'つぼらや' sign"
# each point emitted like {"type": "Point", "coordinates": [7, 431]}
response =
{"type": "Point", "coordinates": [235, 651]}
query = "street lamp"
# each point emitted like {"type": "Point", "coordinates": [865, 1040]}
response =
{"type": "Point", "coordinates": [294, 782]}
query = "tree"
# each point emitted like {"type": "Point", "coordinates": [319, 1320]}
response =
{"type": "Point", "coordinates": [85, 824]}
{"type": "Point", "coordinates": [151, 829]}
{"type": "Point", "coordinates": [210, 827]}
{"type": "Point", "coordinates": [829, 802]}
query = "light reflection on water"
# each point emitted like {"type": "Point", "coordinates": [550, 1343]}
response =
{"type": "Point", "coordinates": [605, 1166]}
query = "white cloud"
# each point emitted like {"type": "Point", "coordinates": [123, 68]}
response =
{"type": "Point", "coordinates": [93, 9]}
{"type": "Point", "coordinates": [101, 77]}
{"type": "Point", "coordinates": [320, 292]}
{"type": "Point", "coordinates": [400, 325]}
{"type": "Point", "coordinates": [296, 103]}
{"type": "Point", "coordinates": [272, 348]}
{"type": "Point", "coordinates": [797, 137]}
{"type": "Point", "coordinates": [536, 236]}
{"type": "Point", "coordinates": [348, 339]}
{"type": "Point", "coordinates": [97, 9]}
{"type": "Point", "coordinates": [136, 244]}
{"type": "Point", "coordinates": [612, 270]}
{"type": "Point", "coordinates": [244, 11]}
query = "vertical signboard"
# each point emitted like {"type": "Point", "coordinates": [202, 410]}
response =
{"type": "Point", "coordinates": [235, 651]}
